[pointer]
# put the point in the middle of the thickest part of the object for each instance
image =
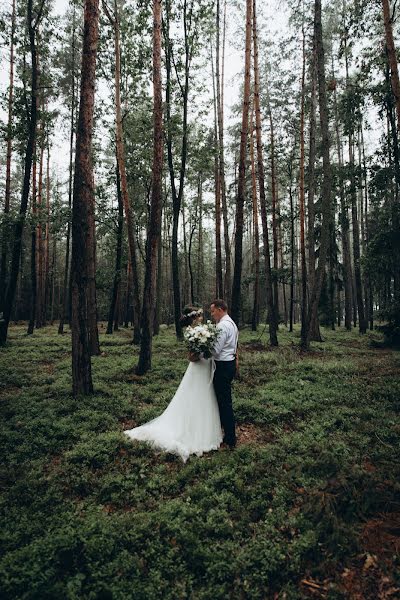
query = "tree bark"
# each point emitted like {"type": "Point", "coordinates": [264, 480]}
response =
{"type": "Point", "coordinates": [315, 332]}
{"type": "Point", "coordinates": [241, 193]}
{"type": "Point", "coordinates": [65, 309]}
{"type": "Point", "coordinates": [344, 223]}
{"type": "Point", "coordinates": [256, 243]}
{"type": "Point", "coordinates": [302, 195]}
{"type": "Point", "coordinates": [32, 319]}
{"type": "Point", "coordinates": [326, 181]}
{"type": "Point", "coordinates": [114, 21]}
{"type": "Point", "coordinates": [19, 225]}
{"type": "Point", "coordinates": [118, 256]}
{"type": "Point", "coordinates": [274, 195]}
{"type": "Point", "coordinates": [391, 53]}
{"type": "Point", "coordinates": [219, 286]}
{"type": "Point", "coordinates": [271, 317]}
{"type": "Point", "coordinates": [226, 288]}
{"type": "Point", "coordinates": [6, 226]}
{"type": "Point", "coordinates": [83, 198]}
{"type": "Point", "coordinates": [177, 195]}
{"type": "Point", "coordinates": [154, 234]}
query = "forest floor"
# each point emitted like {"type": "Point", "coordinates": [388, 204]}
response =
{"type": "Point", "coordinates": [307, 505]}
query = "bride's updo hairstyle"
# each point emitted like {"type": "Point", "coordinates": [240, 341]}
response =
{"type": "Point", "coordinates": [190, 314]}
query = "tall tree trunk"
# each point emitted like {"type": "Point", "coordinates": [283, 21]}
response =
{"type": "Point", "coordinates": [302, 195]}
{"type": "Point", "coordinates": [226, 289]}
{"type": "Point", "coordinates": [261, 184]}
{"type": "Point", "coordinates": [256, 243]}
{"type": "Point", "coordinates": [177, 195]}
{"type": "Point", "coordinates": [392, 58]}
{"type": "Point", "coordinates": [187, 291]}
{"type": "Point", "coordinates": [395, 85]}
{"type": "Point", "coordinates": [19, 225]}
{"type": "Point", "coordinates": [53, 279]}
{"type": "Point", "coordinates": [219, 286]}
{"type": "Point", "coordinates": [39, 234]}
{"type": "Point", "coordinates": [344, 223]}
{"type": "Point", "coordinates": [241, 193]}
{"type": "Point", "coordinates": [83, 198]}
{"type": "Point", "coordinates": [354, 216]}
{"type": "Point", "coordinates": [65, 309]}
{"type": "Point", "coordinates": [292, 254]}
{"type": "Point", "coordinates": [315, 332]}
{"type": "Point", "coordinates": [32, 319]}
{"type": "Point", "coordinates": [118, 256]}
{"type": "Point", "coordinates": [47, 241]}
{"type": "Point", "coordinates": [326, 181]}
{"type": "Point", "coordinates": [200, 255]}
{"type": "Point", "coordinates": [4, 236]}
{"type": "Point", "coordinates": [274, 195]}
{"type": "Point", "coordinates": [154, 233]}
{"type": "Point", "coordinates": [367, 238]}
{"type": "Point", "coordinates": [114, 20]}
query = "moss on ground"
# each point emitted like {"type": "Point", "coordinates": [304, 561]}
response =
{"type": "Point", "coordinates": [290, 514]}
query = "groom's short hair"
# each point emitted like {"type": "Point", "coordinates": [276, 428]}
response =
{"type": "Point", "coordinates": [219, 303]}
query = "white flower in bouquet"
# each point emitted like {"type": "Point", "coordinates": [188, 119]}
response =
{"type": "Point", "coordinates": [201, 338]}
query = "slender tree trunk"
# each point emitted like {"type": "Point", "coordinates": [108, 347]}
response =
{"type": "Point", "coordinates": [192, 228]}
{"type": "Point", "coordinates": [226, 288]}
{"type": "Point", "coordinates": [83, 198]}
{"type": "Point", "coordinates": [154, 234]}
{"type": "Point", "coordinates": [65, 309]}
{"type": "Point", "coordinates": [114, 20]}
{"type": "Point", "coordinates": [302, 195]}
{"type": "Point", "coordinates": [19, 225]}
{"type": "Point", "coordinates": [118, 256]}
{"type": "Point", "coordinates": [292, 256]}
{"type": "Point", "coordinates": [128, 293]}
{"type": "Point", "coordinates": [344, 223]}
{"type": "Point", "coordinates": [200, 256]}
{"type": "Point", "coordinates": [187, 292]}
{"type": "Point", "coordinates": [261, 184]}
{"type": "Point", "coordinates": [274, 195]}
{"type": "Point", "coordinates": [47, 241]}
{"type": "Point", "coordinates": [395, 85]}
{"type": "Point", "coordinates": [53, 279]}
{"type": "Point", "coordinates": [392, 58]}
{"type": "Point", "coordinates": [315, 332]}
{"type": "Point", "coordinates": [32, 319]}
{"type": "Point", "coordinates": [367, 238]}
{"type": "Point", "coordinates": [256, 243]}
{"type": "Point", "coordinates": [241, 193]}
{"type": "Point", "coordinates": [6, 226]}
{"type": "Point", "coordinates": [219, 287]}
{"type": "Point", "coordinates": [160, 279]}
{"type": "Point", "coordinates": [326, 181]}
{"type": "Point", "coordinates": [177, 195]}
{"type": "Point", "coordinates": [39, 235]}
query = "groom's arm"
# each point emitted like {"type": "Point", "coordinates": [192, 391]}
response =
{"type": "Point", "coordinates": [220, 342]}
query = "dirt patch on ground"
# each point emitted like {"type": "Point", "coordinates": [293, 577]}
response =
{"type": "Point", "coordinates": [254, 347]}
{"type": "Point", "coordinates": [367, 577]}
{"type": "Point", "coordinates": [47, 367]}
{"type": "Point", "coordinates": [247, 433]}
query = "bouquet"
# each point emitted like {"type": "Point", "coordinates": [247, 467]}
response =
{"type": "Point", "coordinates": [201, 338]}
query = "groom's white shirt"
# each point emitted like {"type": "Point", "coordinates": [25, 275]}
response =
{"type": "Point", "coordinates": [226, 344]}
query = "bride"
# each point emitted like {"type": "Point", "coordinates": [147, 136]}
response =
{"type": "Point", "coordinates": [190, 424]}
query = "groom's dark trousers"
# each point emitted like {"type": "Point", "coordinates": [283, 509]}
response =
{"type": "Point", "coordinates": [223, 376]}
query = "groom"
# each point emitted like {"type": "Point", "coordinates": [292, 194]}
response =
{"type": "Point", "coordinates": [225, 349]}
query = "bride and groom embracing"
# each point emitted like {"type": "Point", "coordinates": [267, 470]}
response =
{"type": "Point", "coordinates": [191, 423]}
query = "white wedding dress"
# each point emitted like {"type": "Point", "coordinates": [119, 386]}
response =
{"type": "Point", "coordinates": [190, 424]}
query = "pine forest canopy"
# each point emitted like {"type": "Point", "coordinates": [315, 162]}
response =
{"type": "Point", "coordinates": [160, 154]}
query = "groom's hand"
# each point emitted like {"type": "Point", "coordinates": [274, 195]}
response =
{"type": "Point", "coordinates": [194, 357]}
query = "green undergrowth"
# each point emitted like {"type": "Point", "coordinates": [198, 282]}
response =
{"type": "Point", "coordinates": [87, 514]}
